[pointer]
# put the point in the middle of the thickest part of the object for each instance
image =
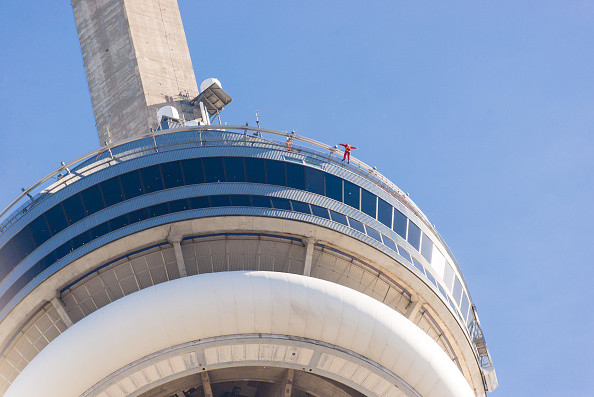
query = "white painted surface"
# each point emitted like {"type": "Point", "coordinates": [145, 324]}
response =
{"type": "Point", "coordinates": [232, 303]}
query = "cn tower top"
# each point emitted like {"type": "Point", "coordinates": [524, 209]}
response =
{"type": "Point", "coordinates": [137, 59]}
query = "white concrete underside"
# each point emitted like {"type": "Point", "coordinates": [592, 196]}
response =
{"type": "Point", "coordinates": [238, 303]}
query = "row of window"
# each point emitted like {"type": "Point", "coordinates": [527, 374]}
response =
{"type": "Point", "coordinates": [209, 202]}
{"type": "Point", "coordinates": [207, 170]}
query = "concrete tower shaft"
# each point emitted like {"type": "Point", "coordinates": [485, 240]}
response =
{"type": "Point", "coordinates": [136, 58]}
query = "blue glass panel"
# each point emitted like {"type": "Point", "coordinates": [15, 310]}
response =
{"type": "Point", "coordinates": [63, 250]}
{"type": "Point", "coordinates": [8, 259]}
{"type": "Point", "coordinates": [368, 203]}
{"type": "Point", "coordinates": [255, 170]}
{"type": "Point", "coordinates": [261, 201]}
{"type": "Point", "coordinates": [314, 181]}
{"type": "Point", "coordinates": [99, 230]}
{"type": "Point", "coordinates": [384, 212]}
{"type": "Point", "coordinates": [151, 179]}
{"type": "Point", "coordinates": [374, 234]}
{"type": "Point", "coordinates": [338, 217]}
{"type": "Point", "coordinates": [430, 277]}
{"type": "Point", "coordinates": [400, 223]}
{"type": "Point", "coordinates": [56, 219]}
{"type": "Point", "coordinates": [158, 210]}
{"type": "Point", "coordinates": [298, 206]}
{"type": "Point", "coordinates": [131, 184]}
{"type": "Point", "coordinates": [351, 194]}
{"type": "Point", "coordinates": [333, 187]}
{"type": "Point", "coordinates": [388, 242]}
{"type": "Point", "coordinates": [23, 243]}
{"type": "Point", "coordinates": [443, 293]}
{"type": "Point", "coordinates": [220, 201]}
{"type": "Point", "coordinates": [240, 200]}
{"type": "Point", "coordinates": [92, 200]}
{"type": "Point", "coordinates": [280, 203]}
{"type": "Point", "coordinates": [457, 292]}
{"type": "Point", "coordinates": [418, 265]}
{"type": "Point", "coordinates": [197, 203]}
{"type": "Point", "coordinates": [464, 307]}
{"type": "Point", "coordinates": [213, 169]}
{"type": "Point", "coordinates": [172, 174]}
{"type": "Point", "coordinates": [275, 173]}
{"type": "Point", "coordinates": [427, 248]}
{"type": "Point", "coordinates": [295, 176]}
{"type": "Point", "coordinates": [319, 211]}
{"type": "Point", "coordinates": [414, 235]}
{"type": "Point", "coordinates": [73, 208]}
{"type": "Point", "coordinates": [112, 191]}
{"type": "Point", "coordinates": [81, 240]}
{"type": "Point", "coordinates": [138, 215]}
{"type": "Point", "coordinates": [193, 171]}
{"type": "Point", "coordinates": [234, 169]}
{"type": "Point", "coordinates": [119, 222]}
{"type": "Point", "coordinates": [39, 230]}
{"type": "Point", "coordinates": [178, 205]}
{"type": "Point", "coordinates": [355, 224]}
{"type": "Point", "coordinates": [404, 253]}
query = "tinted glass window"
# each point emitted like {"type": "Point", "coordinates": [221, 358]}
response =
{"type": "Point", "coordinates": [158, 210]}
{"type": "Point", "coordinates": [81, 240]}
{"type": "Point", "coordinates": [388, 242]}
{"type": "Point", "coordinates": [74, 209]}
{"type": "Point", "coordinates": [92, 200]}
{"type": "Point", "coordinates": [179, 205]}
{"type": "Point", "coordinates": [138, 215]}
{"type": "Point", "coordinates": [131, 184]}
{"type": "Point", "coordinates": [414, 235]}
{"type": "Point", "coordinates": [23, 243]}
{"type": "Point", "coordinates": [464, 306]}
{"type": "Point", "coordinates": [193, 171]}
{"type": "Point", "coordinates": [418, 265]}
{"type": "Point", "coordinates": [314, 180]}
{"type": "Point", "coordinates": [151, 179]}
{"type": "Point", "coordinates": [319, 211]}
{"type": "Point", "coordinates": [355, 224]}
{"type": "Point", "coordinates": [404, 253]}
{"type": "Point", "coordinates": [351, 194]}
{"type": "Point", "coordinates": [119, 222]}
{"type": "Point", "coordinates": [8, 259]}
{"type": "Point", "coordinates": [295, 176]}
{"type": "Point", "coordinates": [384, 212]}
{"type": "Point", "coordinates": [400, 223]}
{"type": "Point", "coordinates": [63, 250]}
{"type": "Point", "coordinates": [240, 201]}
{"type": "Point", "coordinates": [280, 203]}
{"type": "Point", "coordinates": [56, 219]}
{"type": "Point", "coordinates": [430, 277]}
{"type": "Point", "coordinates": [261, 201]}
{"type": "Point", "coordinates": [199, 202]}
{"type": "Point", "coordinates": [448, 276]}
{"type": "Point", "coordinates": [457, 292]}
{"type": "Point", "coordinates": [39, 230]}
{"type": "Point", "coordinates": [333, 187]}
{"type": "Point", "coordinates": [112, 191]}
{"type": "Point", "coordinates": [234, 169]}
{"type": "Point", "coordinates": [368, 201]}
{"type": "Point", "coordinates": [275, 173]}
{"type": "Point", "coordinates": [427, 248]}
{"type": "Point", "coordinates": [298, 206]}
{"type": "Point", "coordinates": [213, 169]}
{"type": "Point", "coordinates": [338, 217]}
{"type": "Point", "coordinates": [99, 230]}
{"type": "Point", "coordinates": [172, 174]}
{"type": "Point", "coordinates": [371, 232]}
{"type": "Point", "coordinates": [255, 170]}
{"type": "Point", "coordinates": [220, 201]}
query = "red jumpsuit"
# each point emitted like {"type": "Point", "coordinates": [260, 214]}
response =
{"type": "Point", "coordinates": [347, 151]}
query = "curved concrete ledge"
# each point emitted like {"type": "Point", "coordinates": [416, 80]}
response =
{"type": "Point", "coordinates": [236, 303]}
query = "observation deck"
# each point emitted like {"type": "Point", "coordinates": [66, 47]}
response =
{"type": "Point", "coordinates": [196, 200]}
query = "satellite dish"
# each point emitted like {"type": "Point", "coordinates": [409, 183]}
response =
{"type": "Point", "coordinates": [208, 82]}
{"type": "Point", "coordinates": [167, 111]}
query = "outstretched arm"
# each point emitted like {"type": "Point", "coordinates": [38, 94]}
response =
{"type": "Point", "coordinates": [343, 145]}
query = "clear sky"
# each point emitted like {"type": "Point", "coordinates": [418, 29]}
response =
{"type": "Point", "coordinates": [482, 111]}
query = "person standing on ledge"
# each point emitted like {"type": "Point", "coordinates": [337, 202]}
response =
{"type": "Point", "coordinates": [347, 151]}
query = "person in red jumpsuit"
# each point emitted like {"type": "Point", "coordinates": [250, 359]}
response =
{"type": "Point", "coordinates": [347, 151]}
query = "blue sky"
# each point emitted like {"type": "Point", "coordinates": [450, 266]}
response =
{"type": "Point", "coordinates": [482, 111]}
